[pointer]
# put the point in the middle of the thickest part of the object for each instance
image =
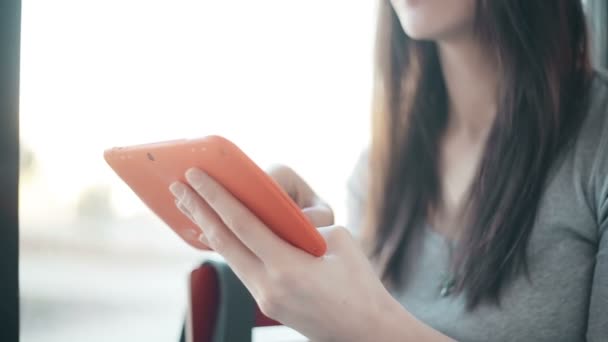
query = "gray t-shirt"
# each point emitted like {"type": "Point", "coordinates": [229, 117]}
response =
{"type": "Point", "coordinates": [566, 296]}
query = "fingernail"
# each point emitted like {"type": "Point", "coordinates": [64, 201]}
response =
{"type": "Point", "coordinates": [177, 189]}
{"type": "Point", "coordinates": [181, 207]}
{"type": "Point", "coordinates": [195, 175]}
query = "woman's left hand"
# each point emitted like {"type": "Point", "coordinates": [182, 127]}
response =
{"type": "Point", "coordinates": [336, 297]}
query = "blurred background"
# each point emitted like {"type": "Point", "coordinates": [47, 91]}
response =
{"type": "Point", "coordinates": [289, 82]}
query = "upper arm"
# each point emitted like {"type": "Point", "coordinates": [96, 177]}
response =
{"type": "Point", "coordinates": [597, 328]}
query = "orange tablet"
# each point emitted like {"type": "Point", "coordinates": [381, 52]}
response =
{"type": "Point", "coordinates": [150, 169]}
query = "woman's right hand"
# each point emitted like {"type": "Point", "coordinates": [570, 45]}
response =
{"type": "Point", "coordinates": [313, 207]}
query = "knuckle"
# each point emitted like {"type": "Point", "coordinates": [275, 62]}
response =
{"type": "Point", "coordinates": [285, 281]}
{"type": "Point", "coordinates": [339, 234]}
{"type": "Point", "coordinates": [270, 304]}
{"type": "Point", "coordinates": [336, 235]}
{"type": "Point", "coordinates": [267, 308]}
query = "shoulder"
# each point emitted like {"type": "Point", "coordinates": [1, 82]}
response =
{"type": "Point", "coordinates": [591, 149]}
{"type": "Point", "coordinates": [597, 98]}
{"type": "Point", "coordinates": [598, 95]}
{"type": "Point", "coordinates": [592, 138]}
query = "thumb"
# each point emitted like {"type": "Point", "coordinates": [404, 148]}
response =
{"type": "Point", "coordinates": [320, 215]}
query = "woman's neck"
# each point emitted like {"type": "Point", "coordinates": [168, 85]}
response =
{"type": "Point", "coordinates": [471, 79]}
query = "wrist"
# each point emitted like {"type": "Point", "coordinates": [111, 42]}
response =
{"type": "Point", "coordinates": [394, 323]}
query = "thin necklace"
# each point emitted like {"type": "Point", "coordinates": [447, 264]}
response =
{"type": "Point", "coordinates": [448, 278]}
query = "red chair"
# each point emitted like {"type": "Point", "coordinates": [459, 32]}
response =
{"type": "Point", "coordinates": [220, 307]}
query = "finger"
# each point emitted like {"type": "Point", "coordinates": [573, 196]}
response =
{"type": "Point", "coordinates": [320, 215]}
{"type": "Point", "coordinates": [337, 237]}
{"type": "Point", "coordinates": [220, 238]}
{"type": "Point", "coordinates": [242, 222]}
{"type": "Point", "coordinates": [202, 238]}
{"type": "Point", "coordinates": [317, 211]}
{"type": "Point", "coordinates": [284, 177]}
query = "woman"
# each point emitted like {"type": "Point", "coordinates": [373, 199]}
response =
{"type": "Point", "coordinates": [488, 189]}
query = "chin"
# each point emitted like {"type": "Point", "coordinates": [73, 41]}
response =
{"type": "Point", "coordinates": [434, 19]}
{"type": "Point", "coordinates": [425, 31]}
{"type": "Point", "coordinates": [417, 33]}
{"type": "Point", "coordinates": [421, 27]}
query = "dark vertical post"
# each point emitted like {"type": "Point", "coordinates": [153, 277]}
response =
{"type": "Point", "coordinates": [10, 29]}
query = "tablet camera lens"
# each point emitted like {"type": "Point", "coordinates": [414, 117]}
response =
{"type": "Point", "coordinates": [150, 156]}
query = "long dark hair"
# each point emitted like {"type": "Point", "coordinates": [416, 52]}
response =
{"type": "Point", "coordinates": [543, 59]}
